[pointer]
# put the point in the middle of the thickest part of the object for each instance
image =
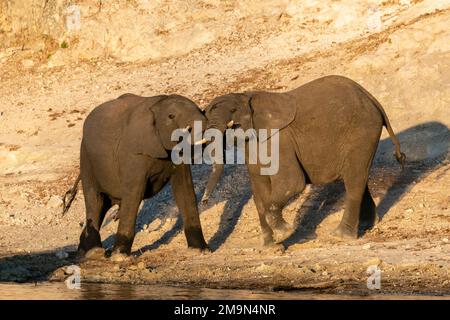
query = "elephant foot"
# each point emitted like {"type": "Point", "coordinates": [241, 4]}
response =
{"type": "Point", "coordinates": [284, 232]}
{"type": "Point", "coordinates": [96, 253]}
{"type": "Point", "coordinates": [267, 239]}
{"type": "Point", "coordinates": [345, 233]}
{"type": "Point", "coordinates": [282, 229]}
{"type": "Point", "coordinates": [195, 239]}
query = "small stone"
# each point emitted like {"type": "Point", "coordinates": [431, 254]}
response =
{"type": "Point", "coordinates": [324, 273]}
{"type": "Point", "coordinates": [445, 240]}
{"type": "Point", "coordinates": [141, 265]}
{"type": "Point", "coordinates": [367, 246]}
{"type": "Point", "coordinates": [118, 257]}
{"type": "Point", "coordinates": [409, 210]}
{"type": "Point", "coordinates": [62, 254]}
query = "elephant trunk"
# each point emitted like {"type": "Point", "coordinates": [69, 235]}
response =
{"type": "Point", "coordinates": [216, 124]}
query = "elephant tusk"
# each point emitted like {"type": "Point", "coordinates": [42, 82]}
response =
{"type": "Point", "coordinates": [188, 127]}
{"type": "Point", "coordinates": [203, 141]}
{"type": "Point", "coordinates": [230, 124]}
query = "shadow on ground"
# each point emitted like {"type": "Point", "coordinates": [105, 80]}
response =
{"type": "Point", "coordinates": [425, 145]}
{"type": "Point", "coordinates": [36, 266]}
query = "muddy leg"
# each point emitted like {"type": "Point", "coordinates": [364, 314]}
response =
{"type": "Point", "coordinates": [96, 207]}
{"type": "Point", "coordinates": [97, 204]}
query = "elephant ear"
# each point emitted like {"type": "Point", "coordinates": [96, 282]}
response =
{"type": "Point", "coordinates": [272, 110]}
{"type": "Point", "coordinates": [141, 132]}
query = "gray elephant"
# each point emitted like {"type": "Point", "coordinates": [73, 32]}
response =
{"type": "Point", "coordinates": [329, 130]}
{"type": "Point", "coordinates": [125, 158]}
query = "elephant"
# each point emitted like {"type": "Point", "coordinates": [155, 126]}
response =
{"type": "Point", "coordinates": [125, 158]}
{"type": "Point", "coordinates": [329, 130]}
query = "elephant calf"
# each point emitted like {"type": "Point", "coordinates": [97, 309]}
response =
{"type": "Point", "coordinates": [125, 158]}
{"type": "Point", "coordinates": [329, 130]}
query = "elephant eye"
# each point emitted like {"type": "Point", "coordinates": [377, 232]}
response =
{"type": "Point", "coordinates": [171, 116]}
{"type": "Point", "coordinates": [233, 110]}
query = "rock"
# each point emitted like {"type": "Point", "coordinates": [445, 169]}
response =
{"type": "Point", "coordinates": [367, 246]}
{"type": "Point", "coordinates": [61, 254]}
{"type": "Point", "coordinates": [141, 265]}
{"type": "Point", "coordinates": [445, 240]}
{"type": "Point", "coordinates": [119, 257]}
{"type": "Point", "coordinates": [95, 254]}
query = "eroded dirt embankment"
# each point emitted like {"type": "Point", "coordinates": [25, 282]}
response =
{"type": "Point", "coordinates": [405, 65]}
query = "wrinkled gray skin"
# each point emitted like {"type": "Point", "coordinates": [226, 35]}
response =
{"type": "Point", "coordinates": [329, 130]}
{"type": "Point", "coordinates": [125, 158]}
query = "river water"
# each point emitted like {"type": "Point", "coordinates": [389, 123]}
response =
{"type": "Point", "coordinates": [59, 290]}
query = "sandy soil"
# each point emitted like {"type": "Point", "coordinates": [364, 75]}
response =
{"type": "Point", "coordinates": [405, 65]}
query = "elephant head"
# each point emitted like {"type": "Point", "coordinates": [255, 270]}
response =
{"type": "Point", "coordinates": [151, 126]}
{"type": "Point", "coordinates": [251, 110]}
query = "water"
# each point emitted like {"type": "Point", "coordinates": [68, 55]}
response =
{"type": "Point", "coordinates": [58, 290]}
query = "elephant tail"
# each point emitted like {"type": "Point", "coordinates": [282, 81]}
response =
{"type": "Point", "coordinates": [399, 155]}
{"type": "Point", "coordinates": [70, 195]}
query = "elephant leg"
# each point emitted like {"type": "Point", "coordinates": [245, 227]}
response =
{"type": "Point", "coordinates": [133, 189]}
{"type": "Point", "coordinates": [355, 176]}
{"type": "Point", "coordinates": [127, 222]}
{"type": "Point", "coordinates": [96, 207]}
{"type": "Point", "coordinates": [184, 194]}
{"type": "Point", "coordinates": [289, 181]}
{"type": "Point", "coordinates": [348, 227]}
{"type": "Point", "coordinates": [261, 190]}
{"type": "Point", "coordinates": [282, 191]}
{"type": "Point", "coordinates": [97, 204]}
{"type": "Point", "coordinates": [368, 214]}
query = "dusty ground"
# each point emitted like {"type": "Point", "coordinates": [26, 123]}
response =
{"type": "Point", "coordinates": [405, 64]}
